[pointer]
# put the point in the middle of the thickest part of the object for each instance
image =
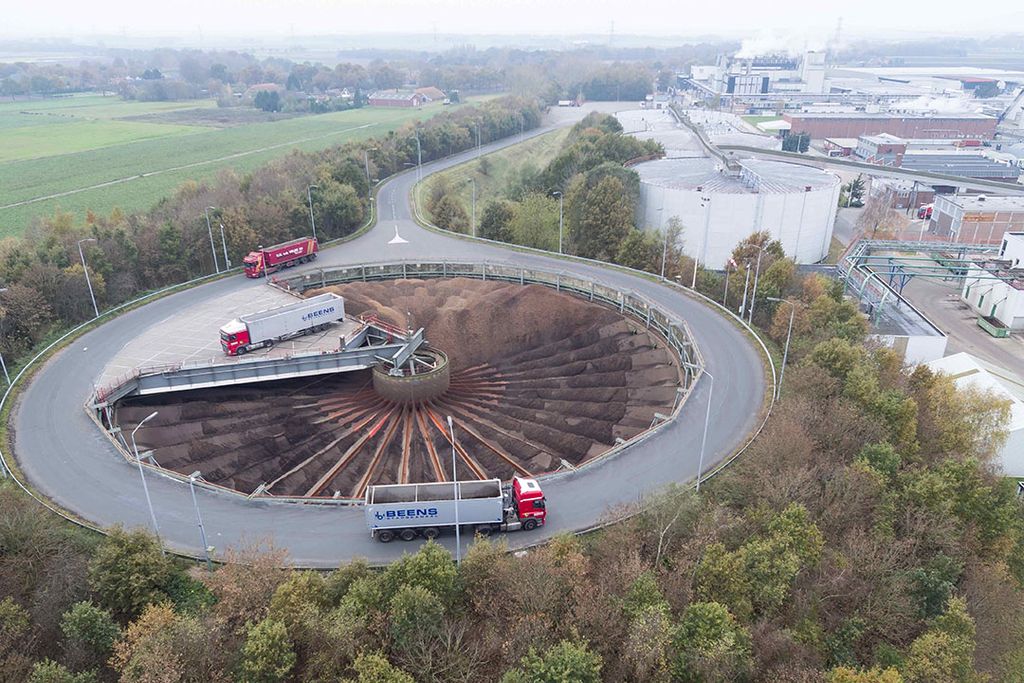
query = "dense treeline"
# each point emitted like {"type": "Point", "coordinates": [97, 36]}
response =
{"type": "Point", "coordinates": [863, 538]}
{"type": "Point", "coordinates": [42, 272]}
{"type": "Point", "coordinates": [166, 74]}
{"type": "Point", "coordinates": [600, 198]}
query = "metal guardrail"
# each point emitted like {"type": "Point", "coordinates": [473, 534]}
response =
{"type": "Point", "coordinates": [674, 331]}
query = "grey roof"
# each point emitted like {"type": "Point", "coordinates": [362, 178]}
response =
{"type": "Point", "coordinates": [882, 115]}
{"type": "Point", "coordinates": [771, 176]}
{"type": "Point", "coordinates": [966, 165]}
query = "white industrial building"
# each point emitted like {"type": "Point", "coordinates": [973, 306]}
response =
{"type": "Point", "coordinates": [969, 371]}
{"type": "Point", "coordinates": [995, 288]}
{"type": "Point", "coordinates": [794, 204]}
{"type": "Point", "coordinates": [777, 73]}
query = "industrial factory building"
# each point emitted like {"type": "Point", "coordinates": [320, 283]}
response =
{"type": "Point", "coordinates": [795, 204]}
{"type": "Point", "coordinates": [855, 124]}
{"type": "Point", "coordinates": [976, 218]}
{"type": "Point", "coordinates": [995, 287]}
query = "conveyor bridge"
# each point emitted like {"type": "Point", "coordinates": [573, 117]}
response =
{"type": "Point", "coordinates": [374, 342]}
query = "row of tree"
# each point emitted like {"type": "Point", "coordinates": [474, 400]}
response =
{"type": "Point", "coordinates": [864, 537]}
{"type": "Point", "coordinates": [46, 288]}
{"type": "Point", "coordinates": [597, 193]}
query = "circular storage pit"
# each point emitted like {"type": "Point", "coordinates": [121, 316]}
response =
{"type": "Point", "coordinates": [538, 380]}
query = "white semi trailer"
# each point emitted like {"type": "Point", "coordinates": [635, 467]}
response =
{"type": "Point", "coordinates": [411, 510]}
{"type": "Point", "coordinates": [265, 328]}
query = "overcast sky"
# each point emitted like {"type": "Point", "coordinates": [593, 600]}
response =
{"type": "Point", "coordinates": [808, 20]}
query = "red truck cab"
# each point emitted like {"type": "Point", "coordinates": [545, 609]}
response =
{"type": "Point", "coordinates": [234, 336]}
{"type": "Point", "coordinates": [529, 501]}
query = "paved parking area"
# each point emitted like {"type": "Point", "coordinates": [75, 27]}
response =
{"type": "Point", "coordinates": [192, 335]}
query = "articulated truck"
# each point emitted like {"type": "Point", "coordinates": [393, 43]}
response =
{"type": "Point", "coordinates": [266, 328]}
{"type": "Point", "coordinates": [264, 261]}
{"type": "Point", "coordinates": [411, 510]}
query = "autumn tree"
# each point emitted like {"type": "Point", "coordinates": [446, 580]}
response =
{"type": "Point", "coordinates": [535, 222]}
{"type": "Point", "coordinates": [267, 655]}
{"type": "Point", "coordinates": [566, 661]}
{"type": "Point", "coordinates": [128, 572]}
{"type": "Point", "coordinates": [601, 218]}
{"type": "Point", "coordinates": [495, 222]}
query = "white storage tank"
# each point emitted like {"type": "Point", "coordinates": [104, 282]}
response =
{"type": "Point", "coordinates": [795, 204]}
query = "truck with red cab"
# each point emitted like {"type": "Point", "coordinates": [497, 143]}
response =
{"type": "Point", "coordinates": [264, 261]}
{"type": "Point", "coordinates": [265, 328]}
{"type": "Point", "coordinates": [484, 506]}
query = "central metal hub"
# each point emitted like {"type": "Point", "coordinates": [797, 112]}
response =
{"type": "Point", "coordinates": [425, 376]}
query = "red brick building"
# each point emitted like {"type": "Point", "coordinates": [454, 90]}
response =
{"type": "Point", "coordinates": [853, 125]}
{"type": "Point", "coordinates": [396, 98]}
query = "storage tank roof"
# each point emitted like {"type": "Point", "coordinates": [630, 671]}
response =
{"type": "Point", "coordinates": [756, 175]}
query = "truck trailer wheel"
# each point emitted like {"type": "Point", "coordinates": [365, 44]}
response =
{"type": "Point", "coordinates": [385, 535]}
{"type": "Point", "coordinates": [407, 534]}
{"type": "Point", "coordinates": [430, 533]}
{"type": "Point", "coordinates": [529, 525]}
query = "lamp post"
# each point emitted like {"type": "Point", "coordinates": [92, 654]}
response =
{"type": "Point", "coordinates": [725, 297]}
{"type": "Point", "coordinates": [477, 126]}
{"type": "Point", "coordinates": [88, 282]}
{"type": "Point", "coordinates": [705, 201]}
{"type": "Point", "coordinates": [366, 163]}
{"type": "Point", "coordinates": [7, 376]}
{"type": "Point", "coordinates": [664, 246]}
{"type": "Point", "coordinates": [746, 284]}
{"type": "Point", "coordinates": [789, 333]}
{"type": "Point", "coordinates": [199, 519]}
{"type": "Point", "coordinates": [209, 229]}
{"type": "Point", "coordinates": [472, 220]}
{"type": "Point", "coordinates": [757, 272]}
{"type": "Point", "coordinates": [455, 489]}
{"type": "Point", "coordinates": [560, 199]}
{"type": "Point", "coordinates": [419, 157]}
{"type": "Point", "coordinates": [309, 196]}
{"type": "Point", "coordinates": [224, 244]}
{"type": "Point", "coordinates": [142, 474]}
{"type": "Point", "coordinates": [704, 438]}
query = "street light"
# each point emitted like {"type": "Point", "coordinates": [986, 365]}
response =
{"type": "Point", "coordinates": [4, 366]}
{"type": "Point", "coordinates": [88, 282]}
{"type": "Point", "coordinates": [142, 474]}
{"type": "Point", "coordinates": [704, 438]}
{"type": "Point", "coordinates": [705, 201]}
{"type": "Point", "coordinates": [209, 229]}
{"type": "Point", "coordinates": [757, 272]}
{"type": "Point", "coordinates": [224, 244]}
{"type": "Point", "coordinates": [455, 489]}
{"type": "Point", "coordinates": [477, 126]}
{"type": "Point", "coordinates": [419, 157]}
{"type": "Point", "coordinates": [309, 196]}
{"type": "Point", "coordinates": [560, 199]}
{"type": "Point", "coordinates": [472, 221]}
{"type": "Point", "coordinates": [199, 520]}
{"type": "Point", "coordinates": [789, 332]}
{"type": "Point", "coordinates": [366, 162]}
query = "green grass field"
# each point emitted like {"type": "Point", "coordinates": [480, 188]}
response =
{"type": "Point", "coordinates": [754, 120]}
{"type": "Point", "coordinates": [93, 160]}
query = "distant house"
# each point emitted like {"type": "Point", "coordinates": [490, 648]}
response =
{"type": "Point", "coordinates": [431, 93]}
{"type": "Point", "coordinates": [396, 98]}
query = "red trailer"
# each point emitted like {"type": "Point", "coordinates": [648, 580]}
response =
{"type": "Point", "coordinates": [264, 261]}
